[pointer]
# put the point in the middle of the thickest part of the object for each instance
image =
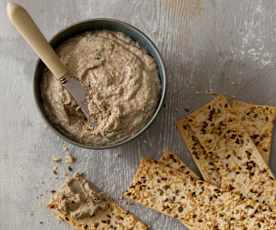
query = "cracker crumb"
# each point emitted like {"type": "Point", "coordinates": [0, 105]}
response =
{"type": "Point", "coordinates": [55, 170]}
{"type": "Point", "coordinates": [65, 147]}
{"type": "Point", "coordinates": [56, 159]}
{"type": "Point", "coordinates": [69, 159]}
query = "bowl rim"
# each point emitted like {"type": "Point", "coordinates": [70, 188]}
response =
{"type": "Point", "coordinates": [161, 71]}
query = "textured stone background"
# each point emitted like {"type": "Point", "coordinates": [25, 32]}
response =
{"type": "Point", "coordinates": [209, 46]}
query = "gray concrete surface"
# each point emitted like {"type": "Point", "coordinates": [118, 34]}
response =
{"type": "Point", "coordinates": [209, 46]}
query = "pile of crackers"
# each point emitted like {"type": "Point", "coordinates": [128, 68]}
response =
{"type": "Point", "coordinates": [230, 142]}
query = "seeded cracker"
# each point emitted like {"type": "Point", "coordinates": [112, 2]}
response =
{"type": "Point", "coordinates": [172, 160]}
{"type": "Point", "coordinates": [258, 121]}
{"type": "Point", "coordinates": [229, 153]}
{"type": "Point", "coordinates": [197, 204]}
{"type": "Point", "coordinates": [80, 205]}
{"type": "Point", "coordinates": [203, 159]}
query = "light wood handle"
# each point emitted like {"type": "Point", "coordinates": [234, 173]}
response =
{"type": "Point", "coordinates": [24, 24]}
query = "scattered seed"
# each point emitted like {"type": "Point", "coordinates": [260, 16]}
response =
{"type": "Point", "coordinates": [70, 168]}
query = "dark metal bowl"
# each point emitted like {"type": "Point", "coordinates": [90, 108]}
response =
{"type": "Point", "coordinates": [96, 25]}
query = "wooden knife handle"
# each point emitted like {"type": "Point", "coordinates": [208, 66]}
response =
{"type": "Point", "coordinates": [24, 24]}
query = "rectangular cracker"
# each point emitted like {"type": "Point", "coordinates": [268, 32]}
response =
{"type": "Point", "coordinates": [172, 160]}
{"type": "Point", "coordinates": [258, 121]}
{"type": "Point", "coordinates": [225, 153]}
{"type": "Point", "coordinates": [195, 203]}
{"type": "Point", "coordinates": [111, 217]}
{"type": "Point", "coordinates": [203, 159]}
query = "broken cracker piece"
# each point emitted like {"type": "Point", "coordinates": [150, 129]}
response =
{"type": "Point", "coordinates": [78, 203]}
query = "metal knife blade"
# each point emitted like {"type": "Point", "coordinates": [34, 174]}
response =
{"type": "Point", "coordinates": [77, 91]}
